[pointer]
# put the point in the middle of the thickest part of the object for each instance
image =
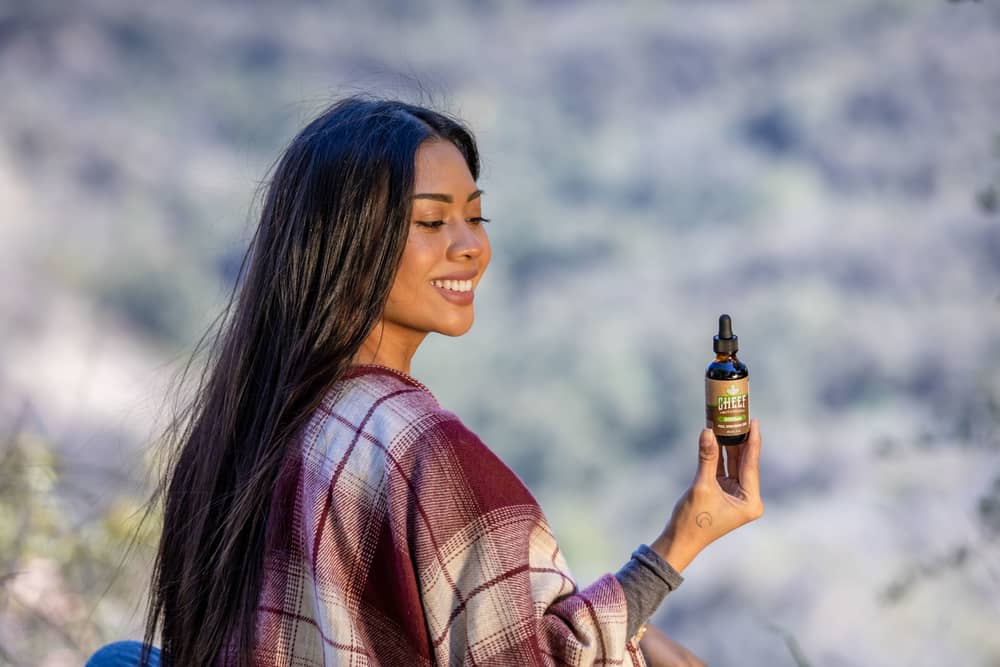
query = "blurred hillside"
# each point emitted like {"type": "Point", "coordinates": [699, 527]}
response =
{"type": "Point", "coordinates": [827, 173]}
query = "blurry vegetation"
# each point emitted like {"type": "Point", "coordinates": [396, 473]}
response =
{"type": "Point", "coordinates": [980, 550]}
{"type": "Point", "coordinates": [792, 644]}
{"type": "Point", "coordinates": [989, 196]}
{"type": "Point", "coordinates": [65, 584]}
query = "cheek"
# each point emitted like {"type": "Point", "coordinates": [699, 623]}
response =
{"type": "Point", "coordinates": [414, 268]}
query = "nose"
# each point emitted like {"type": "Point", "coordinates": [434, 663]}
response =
{"type": "Point", "coordinates": [465, 242]}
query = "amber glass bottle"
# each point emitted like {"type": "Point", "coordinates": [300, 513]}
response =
{"type": "Point", "coordinates": [727, 389]}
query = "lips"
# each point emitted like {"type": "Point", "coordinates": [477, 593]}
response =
{"type": "Point", "coordinates": [458, 298]}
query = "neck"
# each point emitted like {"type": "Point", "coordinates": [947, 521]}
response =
{"type": "Point", "coordinates": [389, 345]}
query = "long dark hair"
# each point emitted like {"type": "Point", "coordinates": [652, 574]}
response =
{"type": "Point", "coordinates": [311, 287]}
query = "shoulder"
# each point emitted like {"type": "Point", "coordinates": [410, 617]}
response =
{"type": "Point", "coordinates": [377, 403]}
{"type": "Point", "coordinates": [416, 439]}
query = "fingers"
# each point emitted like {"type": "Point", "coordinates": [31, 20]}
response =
{"type": "Point", "coordinates": [733, 455]}
{"type": "Point", "coordinates": [750, 461]}
{"type": "Point", "coordinates": [709, 456]}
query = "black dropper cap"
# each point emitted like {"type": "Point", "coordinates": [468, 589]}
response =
{"type": "Point", "coordinates": [726, 342]}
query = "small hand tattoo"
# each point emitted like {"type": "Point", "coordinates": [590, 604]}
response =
{"type": "Point", "coordinates": [704, 520]}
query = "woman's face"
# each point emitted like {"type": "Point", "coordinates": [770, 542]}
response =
{"type": "Point", "coordinates": [447, 242]}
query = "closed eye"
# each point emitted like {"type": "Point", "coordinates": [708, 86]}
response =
{"type": "Point", "coordinates": [434, 224]}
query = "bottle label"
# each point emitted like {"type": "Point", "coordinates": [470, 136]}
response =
{"type": "Point", "coordinates": [727, 406]}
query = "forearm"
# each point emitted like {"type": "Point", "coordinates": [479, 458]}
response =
{"type": "Point", "coordinates": [677, 551]}
{"type": "Point", "coordinates": [645, 579]}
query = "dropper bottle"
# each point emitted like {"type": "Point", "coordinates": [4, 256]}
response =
{"type": "Point", "coordinates": [727, 388]}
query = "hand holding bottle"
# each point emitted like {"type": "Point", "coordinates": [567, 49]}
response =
{"type": "Point", "coordinates": [720, 499]}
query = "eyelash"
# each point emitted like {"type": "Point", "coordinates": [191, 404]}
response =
{"type": "Point", "coordinates": [434, 224]}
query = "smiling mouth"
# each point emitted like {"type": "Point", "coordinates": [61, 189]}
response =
{"type": "Point", "coordinates": [458, 297]}
{"type": "Point", "coordinates": [457, 286]}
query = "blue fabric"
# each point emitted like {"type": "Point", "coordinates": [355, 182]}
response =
{"type": "Point", "coordinates": [122, 654]}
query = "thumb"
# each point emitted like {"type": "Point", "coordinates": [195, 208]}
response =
{"type": "Point", "coordinates": [709, 456]}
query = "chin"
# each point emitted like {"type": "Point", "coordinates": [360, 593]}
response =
{"type": "Point", "coordinates": [455, 329]}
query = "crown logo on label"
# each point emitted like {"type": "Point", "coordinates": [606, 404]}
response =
{"type": "Point", "coordinates": [733, 390]}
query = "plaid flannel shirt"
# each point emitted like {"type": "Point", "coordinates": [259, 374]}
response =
{"type": "Point", "coordinates": [396, 537]}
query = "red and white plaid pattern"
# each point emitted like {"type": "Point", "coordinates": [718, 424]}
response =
{"type": "Point", "coordinates": [396, 537]}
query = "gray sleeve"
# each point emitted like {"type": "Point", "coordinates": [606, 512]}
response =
{"type": "Point", "coordinates": [647, 579]}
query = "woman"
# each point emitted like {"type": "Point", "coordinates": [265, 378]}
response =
{"type": "Point", "coordinates": [322, 507]}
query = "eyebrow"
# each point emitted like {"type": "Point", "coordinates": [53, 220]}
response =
{"type": "Point", "coordinates": [436, 196]}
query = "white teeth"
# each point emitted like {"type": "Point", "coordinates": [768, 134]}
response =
{"type": "Point", "coordinates": [454, 285]}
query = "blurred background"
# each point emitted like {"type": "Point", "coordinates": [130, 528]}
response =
{"type": "Point", "coordinates": [828, 173]}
